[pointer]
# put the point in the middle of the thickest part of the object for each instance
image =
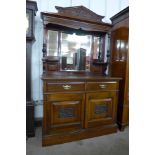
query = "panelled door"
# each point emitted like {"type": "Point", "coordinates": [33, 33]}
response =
{"type": "Point", "coordinates": [64, 112]}
{"type": "Point", "coordinates": [100, 108]}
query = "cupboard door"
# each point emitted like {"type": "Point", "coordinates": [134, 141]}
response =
{"type": "Point", "coordinates": [100, 108]}
{"type": "Point", "coordinates": [64, 112]}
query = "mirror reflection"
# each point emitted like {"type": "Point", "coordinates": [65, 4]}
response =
{"type": "Point", "coordinates": [52, 43]}
{"type": "Point", "coordinates": [73, 50]}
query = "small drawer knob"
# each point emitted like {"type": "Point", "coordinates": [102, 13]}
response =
{"type": "Point", "coordinates": [66, 87]}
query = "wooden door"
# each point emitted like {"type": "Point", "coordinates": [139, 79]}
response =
{"type": "Point", "coordinates": [63, 112]}
{"type": "Point", "coordinates": [120, 68]}
{"type": "Point", "coordinates": [100, 108]}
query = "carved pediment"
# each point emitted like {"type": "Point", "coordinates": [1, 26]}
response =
{"type": "Point", "coordinates": [78, 18]}
{"type": "Point", "coordinates": [79, 12]}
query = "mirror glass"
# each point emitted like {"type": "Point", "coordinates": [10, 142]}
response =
{"type": "Point", "coordinates": [74, 51]}
{"type": "Point", "coordinates": [52, 43]}
{"type": "Point", "coordinates": [96, 47]}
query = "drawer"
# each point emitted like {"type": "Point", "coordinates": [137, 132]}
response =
{"type": "Point", "coordinates": [93, 86]}
{"type": "Point", "coordinates": [65, 86]}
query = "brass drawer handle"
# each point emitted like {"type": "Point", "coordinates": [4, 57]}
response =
{"type": "Point", "coordinates": [102, 86]}
{"type": "Point", "coordinates": [67, 87]}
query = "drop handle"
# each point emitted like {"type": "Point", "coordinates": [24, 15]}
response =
{"type": "Point", "coordinates": [67, 87]}
{"type": "Point", "coordinates": [102, 86]}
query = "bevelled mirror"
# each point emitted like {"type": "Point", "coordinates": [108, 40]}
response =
{"type": "Point", "coordinates": [75, 51]}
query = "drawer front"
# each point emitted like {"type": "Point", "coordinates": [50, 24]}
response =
{"type": "Point", "coordinates": [93, 86]}
{"type": "Point", "coordinates": [66, 86]}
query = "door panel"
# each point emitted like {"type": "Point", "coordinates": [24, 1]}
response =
{"type": "Point", "coordinates": [65, 112]}
{"type": "Point", "coordinates": [101, 108]}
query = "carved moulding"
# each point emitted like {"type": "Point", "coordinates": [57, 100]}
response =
{"type": "Point", "coordinates": [78, 17]}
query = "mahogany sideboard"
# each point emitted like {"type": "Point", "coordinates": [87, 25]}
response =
{"type": "Point", "coordinates": [78, 106]}
{"type": "Point", "coordinates": [79, 99]}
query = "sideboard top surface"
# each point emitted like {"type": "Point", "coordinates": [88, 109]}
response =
{"type": "Point", "coordinates": [58, 76]}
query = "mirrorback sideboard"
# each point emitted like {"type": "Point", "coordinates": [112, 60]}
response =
{"type": "Point", "coordinates": [80, 99]}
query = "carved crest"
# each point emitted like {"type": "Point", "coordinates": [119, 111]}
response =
{"type": "Point", "coordinates": [79, 12]}
{"type": "Point", "coordinates": [78, 18]}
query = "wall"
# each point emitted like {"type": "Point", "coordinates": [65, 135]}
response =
{"type": "Point", "coordinates": [107, 8]}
